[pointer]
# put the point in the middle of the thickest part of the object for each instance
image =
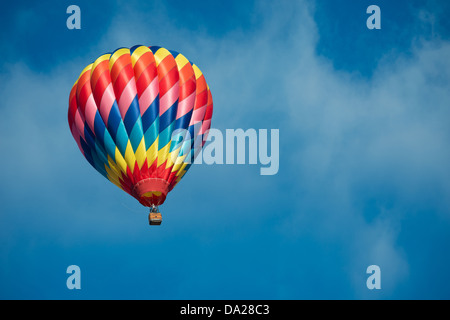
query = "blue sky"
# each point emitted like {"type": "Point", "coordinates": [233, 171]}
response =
{"type": "Point", "coordinates": [364, 153]}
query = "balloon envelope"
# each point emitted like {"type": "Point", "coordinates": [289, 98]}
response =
{"type": "Point", "coordinates": [140, 116]}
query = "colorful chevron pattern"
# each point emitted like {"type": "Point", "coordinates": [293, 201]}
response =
{"type": "Point", "coordinates": [140, 116]}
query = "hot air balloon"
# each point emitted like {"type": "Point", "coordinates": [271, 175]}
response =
{"type": "Point", "coordinates": [140, 116]}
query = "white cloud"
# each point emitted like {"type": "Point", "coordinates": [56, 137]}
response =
{"type": "Point", "coordinates": [385, 137]}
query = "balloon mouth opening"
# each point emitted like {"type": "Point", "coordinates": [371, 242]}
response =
{"type": "Point", "coordinates": [151, 191]}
